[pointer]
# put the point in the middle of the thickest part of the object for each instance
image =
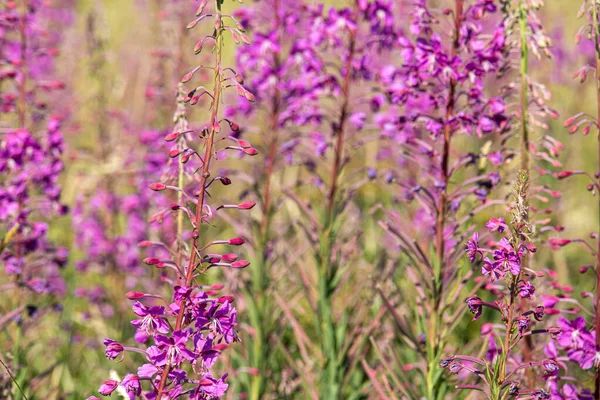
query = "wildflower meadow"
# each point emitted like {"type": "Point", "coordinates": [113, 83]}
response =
{"type": "Point", "coordinates": [300, 199]}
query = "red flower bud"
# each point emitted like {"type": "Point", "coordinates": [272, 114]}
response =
{"type": "Point", "coordinates": [244, 144]}
{"type": "Point", "coordinates": [224, 299]}
{"type": "Point", "coordinates": [240, 264]}
{"type": "Point", "coordinates": [145, 243]}
{"type": "Point", "coordinates": [157, 187]}
{"type": "Point", "coordinates": [237, 241]}
{"type": "Point", "coordinates": [134, 295]}
{"type": "Point", "coordinates": [557, 243]}
{"type": "Point", "coordinates": [247, 205]}
{"type": "Point", "coordinates": [251, 151]}
{"type": "Point", "coordinates": [151, 260]}
{"type": "Point", "coordinates": [584, 268]}
{"type": "Point", "coordinates": [229, 257]}
{"type": "Point", "coordinates": [172, 136]}
{"type": "Point", "coordinates": [564, 174]}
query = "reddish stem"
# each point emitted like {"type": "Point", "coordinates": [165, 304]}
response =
{"type": "Point", "coordinates": [339, 129]}
{"type": "Point", "coordinates": [208, 153]}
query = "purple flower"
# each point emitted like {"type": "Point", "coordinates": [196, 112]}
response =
{"type": "Point", "coordinates": [152, 319]}
{"type": "Point", "coordinates": [108, 387]}
{"type": "Point", "coordinates": [493, 269]}
{"type": "Point", "coordinates": [211, 387]}
{"type": "Point", "coordinates": [131, 383]}
{"type": "Point", "coordinates": [475, 305]}
{"type": "Point", "coordinates": [526, 289]}
{"type": "Point", "coordinates": [496, 224]}
{"type": "Point", "coordinates": [573, 333]}
{"type": "Point", "coordinates": [171, 350]}
{"type": "Point", "coordinates": [113, 349]}
{"type": "Point", "coordinates": [473, 247]}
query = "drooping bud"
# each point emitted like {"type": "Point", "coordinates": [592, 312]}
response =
{"type": "Point", "coordinates": [240, 264]}
{"type": "Point", "coordinates": [134, 295]}
{"type": "Point", "coordinates": [237, 241]}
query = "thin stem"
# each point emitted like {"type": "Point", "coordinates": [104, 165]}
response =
{"type": "Point", "coordinates": [208, 153]}
{"type": "Point", "coordinates": [330, 346]}
{"type": "Point", "coordinates": [258, 298]}
{"type": "Point", "coordinates": [13, 379]}
{"type": "Point", "coordinates": [433, 337]}
{"type": "Point", "coordinates": [524, 72]}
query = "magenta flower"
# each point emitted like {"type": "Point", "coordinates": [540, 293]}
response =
{"type": "Point", "coordinates": [171, 350]}
{"type": "Point", "coordinates": [211, 387]}
{"type": "Point", "coordinates": [113, 349]}
{"type": "Point", "coordinates": [473, 247]}
{"type": "Point", "coordinates": [526, 289]}
{"type": "Point", "coordinates": [108, 387]}
{"type": "Point", "coordinates": [496, 224]}
{"type": "Point", "coordinates": [493, 269]}
{"type": "Point", "coordinates": [475, 306]}
{"type": "Point", "coordinates": [573, 332]}
{"type": "Point", "coordinates": [152, 320]}
{"type": "Point", "coordinates": [131, 383]}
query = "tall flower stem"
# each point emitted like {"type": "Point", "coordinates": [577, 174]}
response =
{"type": "Point", "coordinates": [433, 345]}
{"type": "Point", "coordinates": [331, 382]}
{"type": "Point", "coordinates": [596, 33]}
{"type": "Point", "coordinates": [521, 232]}
{"type": "Point", "coordinates": [524, 78]}
{"type": "Point", "coordinates": [258, 299]}
{"type": "Point", "coordinates": [208, 153]}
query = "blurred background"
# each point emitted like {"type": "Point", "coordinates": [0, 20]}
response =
{"type": "Point", "coordinates": [121, 61]}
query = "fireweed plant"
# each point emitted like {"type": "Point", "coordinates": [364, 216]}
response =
{"type": "Point", "coordinates": [501, 370]}
{"type": "Point", "coordinates": [431, 104]}
{"type": "Point", "coordinates": [31, 145]}
{"type": "Point", "coordinates": [579, 341]}
{"type": "Point", "coordinates": [526, 102]}
{"type": "Point", "coordinates": [187, 336]}
{"type": "Point", "coordinates": [335, 62]}
{"type": "Point", "coordinates": [272, 68]}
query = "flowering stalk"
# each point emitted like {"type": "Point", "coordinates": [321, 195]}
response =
{"type": "Point", "coordinates": [206, 160]}
{"type": "Point", "coordinates": [500, 381]}
{"type": "Point", "coordinates": [194, 314]}
{"type": "Point", "coordinates": [434, 346]}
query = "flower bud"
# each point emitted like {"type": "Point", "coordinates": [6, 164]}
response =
{"type": "Point", "coordinates": [240, 264]}
{"type": "Point", "coordinates": [557, 243]}
{"type": "Point", "coordinates": [172, 136]}
{"type": "Point", "coordinates": [224, 299]}
{"type": "Point", "coordinates": [247, 205]}
{"type": "Point", "coordinates": [229, 257]}
{"type": "Point", "coordinates": [237, 241]}
{"type": "Point", "coordinates": [157, 187]}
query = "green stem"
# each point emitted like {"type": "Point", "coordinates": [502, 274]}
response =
{"type": "Point", "coordinates": [434, 346]}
